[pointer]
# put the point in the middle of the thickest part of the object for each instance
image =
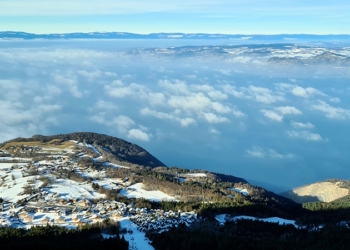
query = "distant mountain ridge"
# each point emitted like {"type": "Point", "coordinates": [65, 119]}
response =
{"type": "Point", "coordinates": [324, 58]}
{"type": "Point", "coordinates": [175, 35]}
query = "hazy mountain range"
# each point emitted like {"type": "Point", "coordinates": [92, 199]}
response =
{"type": "Point", "coordinates": [127, 35]}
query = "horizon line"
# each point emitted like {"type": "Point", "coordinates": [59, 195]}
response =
{"type": "Point", "coordinates": [179, 32]}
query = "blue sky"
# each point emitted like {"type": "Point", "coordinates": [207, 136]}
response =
{"type": "Point", "coordinates": [236, 115]}
{"type": "Point", "coordinates": [220, 16]}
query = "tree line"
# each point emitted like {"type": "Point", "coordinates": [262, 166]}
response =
{"type": "Point", "coordinates": [54, 237]}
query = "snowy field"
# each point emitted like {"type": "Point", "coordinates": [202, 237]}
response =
{"type": "Point", "coordinates": [68, 189]}
{"type": "Point", "coordinates": [137, 191]}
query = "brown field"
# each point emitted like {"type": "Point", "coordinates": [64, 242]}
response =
{"type": "Point", "coordinates": [51, 144]}
{"type": "Point", "coordinates": [325, 191]}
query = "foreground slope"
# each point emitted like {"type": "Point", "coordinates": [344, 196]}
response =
{"type": "Point", "coordinates": [80, 179]}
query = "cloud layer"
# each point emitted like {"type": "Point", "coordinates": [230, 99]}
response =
{"type": "Point", "coordinates": [243, 122]}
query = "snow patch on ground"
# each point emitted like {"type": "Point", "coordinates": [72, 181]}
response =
{"type": "Point", "coordinates": [239, 190]}
{"type": "Point", "coordinates": [108, 164]}
{"type": "Point", "coordinates": [137, 191]}
{"type": "Point", "coordinates": [222, 218]}
{"type": "Point", "coordinates": [15, 159]}
{"type": "Point", "coordinates": [196, 175]}
{"type": "Point", "coordinates": [9, 165]}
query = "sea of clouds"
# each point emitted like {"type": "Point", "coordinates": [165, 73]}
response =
{"type": "Point", "coordinates": [281, 125]}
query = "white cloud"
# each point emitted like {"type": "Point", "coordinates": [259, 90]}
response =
{"type": "Point", "coordinates": [202, 87]}
{"type": "Point", "coordinates": [47, 108]}
{"type": "Point", "coordinates": [138, 134]}
{"type": "Point", "coordinates": [117, 83]}
{"type": "Point", "coordinates": [213, 118]}
{"type": "Point", "coordinates": [258, 94]}
{"type": "Point", "coordinates": [214, 131]}
{"type": "Point", "coordinates": [305, 92]}
{"type": "Point", "coordinates": [256, 152]}
{"type": "Point", "coordinates": [197, 102]}
{"type": "Point", "coordinates": [174, 116]}
{"type": "Point", "coordinates": [104, 105]}
{"type": "Point", "coordinates": [38, 99]}
{"type": "Point", "coordinates": [69, 80]}
{"type": "Point", "coordinates": [210, 91]}
{"type": "Point", "coordinates": [306, 135]}
{"type": "Point", "coordinates": [75, 91]}
{"type": "Point", "coordinates": [238, 113]}
{"type": "Point", "coordinates": [176, 87]}
{"type": "Point", "coordinates": [220, 108]}
{"type": "Point", "coordinates": [274, 154]}
{"type": "Point", "coordinates": [280, 112]}
{"type": "Point", "coordinates": [300, 91]}
{"type": "Point", "coordinates": [90, 75]}
{"type": "Point", "coordinates": [108, 73]}
{"type": "Point", "coordinates": [332, 112]}
{"type": "Point", "coordinates": [122, 122]}
{"type": "Point", "coordinates": [335, 99]}
{"type": "Point", "coordinates": [241, 59]}
{"type": "Point", "coordinates": [187, 121]}
{"type": "Point", "coordinates": [157, 114]}
{"type": "Point", "coordinates": [301, 125]}
{"type": "Point", "coordinates": [217, 95]}
{"type": "Point", "coordinates": [264, 95]}
{"type": "Point", "coordinates": [259, 152]}
{"type": "Point", "coordinates": [232, 90]}
{"type": "Point", "coordinates": [52, 90]}
{"type": "Point", "coordinates": [134, 90]}
{"type": "Point", "coordinates": [124, 125]}
{"type": "Point", "coordinates": [156, 98]}
{"type": "Point", "coordinates": [288, 110]}
{"type": "Point", "coordinates": [272, 115]}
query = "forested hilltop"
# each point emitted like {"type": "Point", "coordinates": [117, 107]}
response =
{"type": "Point", "coordinates": [115, 149]}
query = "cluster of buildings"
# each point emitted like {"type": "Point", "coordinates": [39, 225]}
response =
{"type": "Point", "coordinates": [76, 214]}
{"type": "Point", "coordinates": [55, 204]}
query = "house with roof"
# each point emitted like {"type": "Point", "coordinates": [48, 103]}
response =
{"type": "Point", "coordinates": [115, 216]}
{"type": "Point", "coordinates": [45, 220]}
{"type": "Point", "coordinates": [60, 219]}
{"type": "Point", "coordinates": [96, 219]}
{"type": "Point", "coordinates": [27, 218]}
{"type": "Point", "coordinates": [14, 205]}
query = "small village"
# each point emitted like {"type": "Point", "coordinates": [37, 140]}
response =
{"type": "Point", "coordinates": [36, 194]}
{"type": "Point", "coordinates": [79, 212]}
